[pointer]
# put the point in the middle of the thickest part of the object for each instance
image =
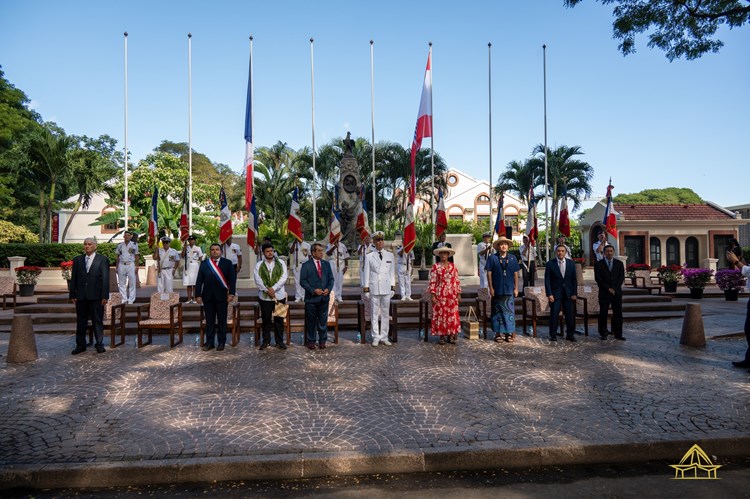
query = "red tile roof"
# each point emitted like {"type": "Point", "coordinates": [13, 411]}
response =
{"type": "Point", "coordinates": [670, 212]}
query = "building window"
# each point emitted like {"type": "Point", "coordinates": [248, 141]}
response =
{"type": "Point", "coordinates": [482, 218]}
{"type": "Point", "coordinates": [673, 251]}
{"type": "Point", "coordinates": [483, 199]}
{"type": "Point", "coordinates": [655, 249]}
{"type": "Point", "coordinates": [691, 252]}
{"type": "Point", "coordinates": [456, 217]}
{"type": "Point", "coordinates": [109, 228]}
{"type": "Point", "coordinates": [634, 249]}
{"type": "Point", "coordinates": [512, 221]}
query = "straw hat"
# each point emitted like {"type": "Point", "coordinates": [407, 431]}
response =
{"type": "Point", "coordinates": [444, 249]}
{"type": "Point", "coordinates": [496, 243]}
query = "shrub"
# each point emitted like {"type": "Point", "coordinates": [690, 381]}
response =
{"type": "Point", "coordinates": [728, 279]}
{"type": "Point", "coordinates": [696, 278]}
{"type": "Point", "coordinates": [11, 233]}
{"type": "Point", "coordinates": [50, 255]}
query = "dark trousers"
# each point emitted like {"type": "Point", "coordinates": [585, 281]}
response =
{"type": "Point", "coordinates": [266, 315]}
{"type": "Point", "coordinates": [215, 310]}
{"type": "Point", "coordinates": [316, 321]}
{"type": "Point", "coordinates": [569, 310]}
{"type": "Point", "coordinates": [529, 275]}
{"type": "Point", "coordinates": [89, 310]}
{"type": "Point", "coordinates": [747, 331]}
{"type": "Point", "coordinates": [615, 301]}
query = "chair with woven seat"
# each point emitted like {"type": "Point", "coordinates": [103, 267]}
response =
{"type": "Point", "coordinates": [233, 322]}
{"type": "Point", "coordinates": [535, 305]}
{"type": "Point", "coordinates": [484, 309]}
{"type": "Point", "coordinates": [164, 312]}
{"type": "Point", "coordinates": [8, 290]}
{"type": "Point", "coordinates": [114, 307]}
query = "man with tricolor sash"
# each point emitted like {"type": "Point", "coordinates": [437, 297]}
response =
{"type": "Point", "coordinates": [215, 287]}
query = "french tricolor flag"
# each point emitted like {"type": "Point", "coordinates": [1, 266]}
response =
{"type": "Point", "coordinates": [294, 223]}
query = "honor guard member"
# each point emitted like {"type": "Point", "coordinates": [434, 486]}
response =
{"type": "Point", "coordinates": [363, 249]}
{"type": "Point", "coordinates": [378, 287]}
{"type": "Point", "coordinates": [167, 261]}
{"type": "Point", "coordinates": [299, 252]}
{"type": "Point", "coordinates": [192, 254]}
{"type": "Point", "coordinates": [599, 246]}
{"type": "Point", "coordinates": [484, 249]}
{"type": "Point", "coordinates": [528, 262]}
{"type": "Point", "coordinates": [337, 255]}
{"type": "Point", "coordinates": [405, 264]}
{"type": "Point", "coordinates": [232, 252]}
{"type": "Point", "coordinates": [126, 263]}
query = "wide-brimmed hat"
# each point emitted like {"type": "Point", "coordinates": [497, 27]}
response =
{"type": "Point", "coordinates": [443, 249]}
{"type": "Point", "coordinates": [496, 242]}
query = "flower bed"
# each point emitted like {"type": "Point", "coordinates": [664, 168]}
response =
{"type": "Point", "coordinates": [696, 278]}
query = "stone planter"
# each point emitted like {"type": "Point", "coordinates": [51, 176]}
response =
{"type": "Point", "coordinates": [731, 294]}
{"type": "Point", "coordinates": [26, 289]}
{"type": "Point", "coordinates": [670, 287]}
{"type": "Point", "coordinates": [696, 293]}
{"type": "Point", "coordinates": [424, 275]}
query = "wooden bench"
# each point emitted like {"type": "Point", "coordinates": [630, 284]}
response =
{"type": "Point", "coordinates": [363, 319]}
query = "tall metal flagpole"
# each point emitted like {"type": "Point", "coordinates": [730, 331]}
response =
{"type": "Point", "coordinates": [489, 55]}
{"type": "Point", "coordinates": [190, 133]}
{"type": "Point", "coordinates": [432, 147]}
{"type": "Point", "coordinates": [372, 119]}
{"type": "Point", "coordinates": [125, 213]}
{"type": "Point", "coordinates": [315, 179]}
{"type": "Point", "coordinates": [546, 184]}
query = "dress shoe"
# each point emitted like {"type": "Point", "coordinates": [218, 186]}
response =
{"type": "Point", "coordinates": [322, 346]}
{"type": "Point", "coordinates": [263, 346]}
{"type": "Point", "coordinates": [281, 345]}
{"type": "Point", "coordinates": [387, 342]}
{"type": "Point", "coordinates": [207, 348]}
{"type": "Point", "coordinates": [220, 348]}
{"type": "Point", "coordinates": [603, 336]}
{"type": "Point", "coordinates": [78, 350]}
{"type": "Point", "coordinates": [741, 363]}
{"type": "Point", "coordinates": [621, 338]}
{"type": "Point", "coordinates": [100, 349]}
{"type": "Point", "coordinates": [553, 338]}
{"type": "Point", "coordinates": [375, 343]}
{"type": "Point", "coordinates": [570, 337]}
{"type": "Point", "coordinates": [311, 346]}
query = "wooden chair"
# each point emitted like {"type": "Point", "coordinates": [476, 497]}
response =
{"type": "Point", "coordinates": [425, 314]}
{"type": "Point", "coordinates": [8, 289]}
{"type": "Point", "coordinates": [114, 319]}
{"type": "Point", "coordinates": [363, 319]}
{"type": "Point", "coordinates": [163, 313]}
{"type": "Point", "coordinates": [644, 277]}
{"type": "Point", "coordinates": [233, 322]}
{"type": "Point", "coordinates": [535, 300]}
{"type": "Point", "coordinates": [484, 309]}
{"type": "Point", "coordinates": [296, 318]}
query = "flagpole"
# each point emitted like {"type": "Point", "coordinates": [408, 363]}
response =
{"type": "Point", "coordinates": [432, 148]}
{"type": "Point", "coordinates": [125, 214]}
{"type": "Point", "coordinates": [489, 86]}
{"type": "Point", "coordinates": [315, 180]}
{"type": "Point", "coordinates": [546, 186]}
{"type": "Point", "coordinates": [372, 119]}
{"type": "Point", "coordinates": [190, 133]}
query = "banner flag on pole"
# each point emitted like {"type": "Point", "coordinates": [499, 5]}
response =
{"type": "Point", "coordinates": [500, 222]}
{"type": "Point", "coordinates": [252, 216]}
{"type": "Point", "coordinates": [184, 224]}
{"type": "Point", "coordinates": [363, 226]}
{"type": "Point", "coordinates": [153, 219]}
{"type": "Point", "coordinates": [531, 229]}
{"type": "Point", "coordinates": [610, 220]}
{"type": "Point", "coordinates": [441, 218]}
{"type": "Point", "coordinates": [335, 227]}
{"type": "Point", "coordinates": [563, 226]}
{"type": "Point", "coordinates": [294, 223]}
{"type": "Point", "coordinates": [225, 218]}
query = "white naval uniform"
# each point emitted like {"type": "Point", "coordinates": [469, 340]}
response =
{"type": "Point", "coordinates": [379, 278]}
{"type": "Point", "coordinates": [481, 247]}
{"type": "Point", "coordinates": [362, 251]}
{"type": "Point", "coordinates": [126, 268]}
{"type": "Point", "coordinates": [231, 252]}
{"type": "Point", "coordinates": [337, 266]}
{"type": "Point", "coordinates": [193, 257]}
{"type": "Point", "coordinates": [297, 256]}
{"type": "Point", "coordinates": [405, 266]}
{"type": "Point", "coordinates": [168, 260]}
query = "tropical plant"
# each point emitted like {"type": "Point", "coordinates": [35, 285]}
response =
{"type": "Point", "coordinates": [729, 279]}
{"type": "Point", "coordinates": [631, 268]}
{"type": "Point", "coordinates": [27, 274]}
{"type": "Point", "coordinates": [669, 274]}
{"type": "Point", "coordinates": [67, 269]}
{"type": "Point", "coordinates": [519, 178]}
{"type": "Point", "coordinates": [696, 278]}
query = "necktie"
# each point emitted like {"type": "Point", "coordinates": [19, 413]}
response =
{"type": "Point", "coordinates": [88, 263]}
{"type": "Point", "coordinates": [562, 267]}
{"type": "Point", "coordinates": [609, 265]}
{"type": "Point", "coordinates": [380, 255]}
{"type": "Point", "coordinates": [320, 270]}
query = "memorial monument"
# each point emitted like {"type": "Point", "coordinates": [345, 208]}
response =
{"type": "Point", "coordinates": [349, 188]}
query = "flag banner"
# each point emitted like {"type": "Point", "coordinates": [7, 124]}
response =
{"type": "Point", "coordinates": [294, 223]}
{"type": "Point", "coordinates": [441, 218]}
{"type": "Point", "coordinates": [500, 222]}
{"type": "Point", "coordinates": [153, 219]}
{"type": "Point", "coordinates": [252, 224]}
{"type": "Point", "coordinates": [610, 219]}
{"type": "Point", "coordinates": [249, 137]}
{"type": "Point", "coordinates": [225, 218]}
{"type": "Point", "coordinates": [184, 226]}
{"type": "Point", "coordinates": [531, 228]}
{"type": "Point", "coordinates": [410, 231]}
{"type": "Point", "coordinates": [363, 225]}
{"type": "Point", "coordinates": [334, 234]}
{"type": "Point", "coordinates": [563, 226]}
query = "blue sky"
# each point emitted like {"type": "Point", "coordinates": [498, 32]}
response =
{"type": "Point", "coordinates": [642, 120]}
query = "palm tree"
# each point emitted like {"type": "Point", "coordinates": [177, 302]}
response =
{"type": "Point", "coordinates": [519, 178]}
{"type": "Point", "coordinates": [274, 182]}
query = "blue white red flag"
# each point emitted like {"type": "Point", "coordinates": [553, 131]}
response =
{"type": "Point", "coordinates": [252, 222]}
{"type": "Point", "coordinates": [294, 223]}
{"type": "Point", "coordinates": [225, 218]}
{"type": "Point", "coordinates": [153, 219]}
{"type": "Point", "coordinates": [363, 225]}
{"type": "Point", "coordinates": [531, 228]}
{"type": "Point", "coordinates": [334, 235]}
{"type": "Point", "coordinates": [500, 222]}
{"type": "Point", "coordinates": [184, 225]}
{"type": "Point", "coordinates": [441, 218]}
{"type": "Point", "coordinates": [610, 218]}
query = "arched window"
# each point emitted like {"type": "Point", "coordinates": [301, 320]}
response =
{"type": "Point", "coordinates": [655, 250]}
{"type": "Point", "coordinates": [112, 227]}
{"type": "Point", "coordinates": [673, 251]}
{"type": "Point", "coordinates": [691, 252]}
{"type": "Point", "coordinates": [482, 198]}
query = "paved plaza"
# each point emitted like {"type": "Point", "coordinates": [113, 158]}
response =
{"type": "Point", "coordinates": [159, 415]}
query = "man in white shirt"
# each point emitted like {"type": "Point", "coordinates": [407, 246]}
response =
{"type": "Point", "coordinates": [599, 246]}
{"type": "Point", "coordinates": [484, 249]}
{"type": "Point", "coordinates": [299, 252]}
{"type": "Point", "coordinates": [233, 253]}
{"type": "Point", "coordinates": [126, 262]}
{"type": "Point", "coordinates": [561, 242]}
{"type": "Point", "coordinates": [528, 262]}
{"type": "Point", "coordinates": [378, 287]}
{"type": "Point", "coordinates": [270, 275]}
{"type": "Point", "coordinates": [167, 261]}
{"type": "Point", "coordinates": [405, 264]}
{"type": "Point", "coordinates": [337, 255]}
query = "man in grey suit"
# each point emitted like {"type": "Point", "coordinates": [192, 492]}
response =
{"type": "Point", "coordinates": [378, 285]}
{"type": "Point", "coordinates": [561, 286]}
{"type": "Point", "coordinates": [89, 291]}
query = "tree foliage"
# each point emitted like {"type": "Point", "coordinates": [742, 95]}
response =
{"type": "Point", "coordinates": [11, 233]}
{"type": "Point", "coordinates": [681, 28]}
{"type": "Point", "coordinates": [670, 195]}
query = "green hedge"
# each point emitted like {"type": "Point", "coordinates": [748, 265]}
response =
{"type": "Point", "coordinates": [50, 255]}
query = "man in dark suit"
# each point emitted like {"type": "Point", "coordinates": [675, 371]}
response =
{"type": "Point", "coordinates": [561, 286]}
{"type": "Point", "coordinates": [610, 274]}
{"type": "Point", "coordinates": [316, 278]}
{"type": "Point", "coordinates": [440, 243]}
{"type": "Point", "coordinates": [215, 287]}
{"type": "Point", "coordinates": [89, 291]}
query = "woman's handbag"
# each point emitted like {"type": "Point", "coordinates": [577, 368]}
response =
{"type": "Point", "coordinates": [280, 310]}
{"type": "Point", "coordinates": [470, 325]}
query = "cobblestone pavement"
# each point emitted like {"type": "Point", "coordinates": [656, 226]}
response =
{"type": "Point", "coordinates": [156, 403]}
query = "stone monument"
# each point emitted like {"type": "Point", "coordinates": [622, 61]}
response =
{"type": "Point", "coordinates": [349, 188]}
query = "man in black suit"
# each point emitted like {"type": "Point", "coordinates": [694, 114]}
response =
{"type": "Point", "coordinates": [440, 243]}
{"type": "Point", "coordinates": [561, 286]}
{"type": "Point", "coordinates": [316, 278]}
{"type": "Point", "coordinates": [215, 287]}
{"type": "Point", "coordinates": [610, 274]}
{"type": "Point", "coordinates": [89, 291]}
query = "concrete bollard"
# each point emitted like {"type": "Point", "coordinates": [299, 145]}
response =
{"type": "Point", "coordinates": [151, 276]}
{"type": "Point", "coordinates": [693, 334]}
{"type": "Point", "coordinates": [22, 344]}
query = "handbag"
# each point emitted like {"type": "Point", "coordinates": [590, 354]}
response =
{"type": "Point", "coordinates": [470, 325]}
{"type": "Point", "coordinates": [280, 310]}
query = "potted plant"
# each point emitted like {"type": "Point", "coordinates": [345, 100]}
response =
{"type": "Point", "coordinates": [27, 276]}
{"type": "Point", "coordinates": [67, 271]}
{"type": "Point", "coordinates": [632, 269]}
{"type": "Point", "coordinates": [730, 281]}
{"type": "Point", "coordinates": [669, 275]}
{"type": "Point", "coordinates": [696, 280]}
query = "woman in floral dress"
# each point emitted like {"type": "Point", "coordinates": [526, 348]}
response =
{"type": "Point", "coordinates": [445, 289]}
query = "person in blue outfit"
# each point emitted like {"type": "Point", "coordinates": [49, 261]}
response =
{"type": "Point", "coordinates": [561, 286]}
{"type": "Point", "coordinates": [215, 287]}
{"type": "Point", "coordinates": [502, 278]}
{"type": "Point", "coordinates": [316, 277]}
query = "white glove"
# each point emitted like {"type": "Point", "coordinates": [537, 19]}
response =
{"type": "Point", "coordinates": [367, 295]}
{"type": "Point", "coordinates": [392, 293]}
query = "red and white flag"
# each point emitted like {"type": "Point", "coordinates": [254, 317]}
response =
{"type": "Point", "coordinates": [294, 223]}
{"type": "Point", "coordinates": [531, 228]}
{"type": "Point", "coordinates": [184, 227]}
{"type": "Point", "coordinates": [441, 218]}
{"type": "Point", "coordinates": [225, 218]}
{"type": "Point", "coordinates": [563, 227]}
{"type": "Point", "coordinates": [610, 218]}
{"type": "Point", "coordinates": [153, 219]}
{"type": "Point", "coordinates": [363, 224]}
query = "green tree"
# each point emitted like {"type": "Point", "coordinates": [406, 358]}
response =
{"type": "Point", "coordinates": [519, 178]}
{"type": "Point", "coordinates": [678, 27]}
{"type": "Point", "coordinates": [274, 182]}
{"type": "Point", "coordinates": [670, 195]}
